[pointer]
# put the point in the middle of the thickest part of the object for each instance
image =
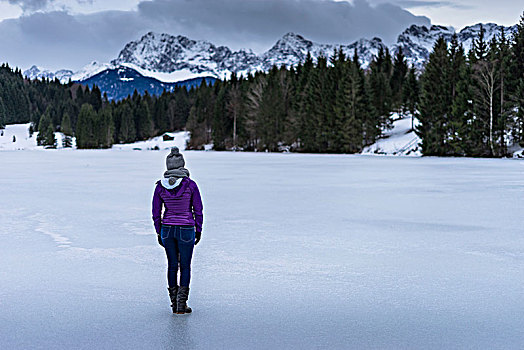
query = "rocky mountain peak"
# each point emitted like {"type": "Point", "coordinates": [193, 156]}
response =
{"type": "Point", "coordinates": [170, 57]}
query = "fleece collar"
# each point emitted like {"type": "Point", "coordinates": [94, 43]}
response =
{"type": "Point", "coordinates": [166, 185]}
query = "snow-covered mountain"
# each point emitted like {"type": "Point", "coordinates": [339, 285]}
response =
{"type": "Point", "coordinates": [293, 49]}
{"type": "Point", "coordinates": [64, 75]}
{"type": "Point", "coordinates": [171, 58]}
{"type": "Point", "coordinates": [417, 41]}
{"type": "Point", "coordinates": [36, 72]}
{"type": "Point", "coordinates": [167, 54]}
{"type": "Point", "coordinates": [122, 81]}
{"type": "Point", "coordinates": [164, 53]}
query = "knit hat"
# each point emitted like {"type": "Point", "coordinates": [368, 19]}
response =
{"type": "Point", "coordinates": [175, 159]}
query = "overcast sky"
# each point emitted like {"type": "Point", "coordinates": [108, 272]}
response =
{"type": "Point", "coordinates": [57, 34]}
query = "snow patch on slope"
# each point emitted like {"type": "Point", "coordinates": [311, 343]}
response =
{"type": "Point", "coordinates": [173, 77]}
{"type": "Point", "coordinates": [90, 70]}
{"type": "Point", "coordinates": [519, 154]}
{"type": "Point", "coordinates": [401, 140]}
{"type": "Point", "coordinates": [22, 139]}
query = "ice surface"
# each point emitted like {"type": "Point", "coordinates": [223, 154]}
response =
{"type": "Point", "coordinates": [298, 251]}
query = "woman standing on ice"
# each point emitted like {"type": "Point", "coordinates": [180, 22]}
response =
{"type": "Point", "coordinates": [181, 227]}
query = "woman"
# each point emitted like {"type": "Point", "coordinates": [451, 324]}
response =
{"type": "Point", "coordinates": [181, 227]}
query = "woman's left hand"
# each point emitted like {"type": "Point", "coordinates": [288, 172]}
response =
{"type": "Point", "coordinates": [159, 239]}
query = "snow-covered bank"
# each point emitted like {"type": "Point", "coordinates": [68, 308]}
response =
{"type": "Point", "coordinates": [377, 253]}
{"type": "Point", "coordinates": [519, 154]}
{"type": "Point", "coordinates": [401, 140]}
{"type": "Point", "coordinates": [179, 139]}
{"type": "Point", "coordinates": [17, 137]}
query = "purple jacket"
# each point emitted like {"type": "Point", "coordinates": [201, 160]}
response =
{"type": "Point", "coordinates": [182, 204]}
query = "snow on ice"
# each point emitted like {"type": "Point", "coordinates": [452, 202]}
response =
{"type": "Point", "coordinates": [364, 253]}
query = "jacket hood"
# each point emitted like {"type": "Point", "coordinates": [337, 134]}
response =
{"type": "Point", "coordinates": [177, 188]}
{"type": "Point", "coordinates": [165, 183]}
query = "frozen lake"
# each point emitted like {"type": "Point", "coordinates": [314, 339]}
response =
{"type": "Point", "coordinates": [298, 251]}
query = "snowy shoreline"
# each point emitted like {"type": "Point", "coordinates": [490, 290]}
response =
{"type": "Point", "coordinates": [400, 141]}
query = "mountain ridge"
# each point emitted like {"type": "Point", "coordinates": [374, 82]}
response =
{"type": "Point", "coordinates": [170, 58]}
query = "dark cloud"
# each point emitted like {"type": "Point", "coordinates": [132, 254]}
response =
{"type": "Point", "coordinates": [261, 22]}
{"type": "Point", "coordinates": [30, 5]}
{"type": "Point", "coordinates": [61, 40]}
{"type": "Point", "coordinates": [423, 3]}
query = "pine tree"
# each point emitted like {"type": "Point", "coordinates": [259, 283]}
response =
{"type": "Point", "coordinates": [127, 131]}
{"type": "Point", "coordinates": [44, 124]}
{"type": "Point", "coordinates": [410, 95]}
{"type": "Point", "coordinates": [49, 141]}
{"type": "Point", "coordinates": [457, 58]}
{"type": "Point", "coordinates": [460, 94]}
{"type": "Point", "coordinates": [79, 94]}
{"type": "Point", "coordinates": [85, 127]}
{"type": "Point", "coordinates": [67, 130]}
{"type": "Point", "coordinates": [379, 88]}
{"type": "Point", "coordinates": [504, 56]}
{"type": "Point", "coordinates": [220, 118]}
{"type": "Point", "coordinates": [517, 91]}
{"type": "Point", "coordinates": [199, 123]}
{"type": "Point", "coordinates": [145, 127]}
{"type": "Point", "coordinates": [95, 98]}
{"type": "Point", "coordinates": [234, 108]}
{"type": "Point", "coordinates": [105, 128]}
{"type": "Point", "coordinates": [481, 47]}
{"type": "Point", "coordinates": [462, 140]}
{"type": "Point", "coordinates": [313, 109]}
{"type": "Point", "coordinates": [518, 124]}
{"type": "Point", "coordinates": [398, 78]}
{"type": "Point", "coordinates": [2, 114]}
{"type": "Point", "coordinates": [435, 101]}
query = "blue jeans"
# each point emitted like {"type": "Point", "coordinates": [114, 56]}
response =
{"type": "Point", "coordinates": [179, 242]}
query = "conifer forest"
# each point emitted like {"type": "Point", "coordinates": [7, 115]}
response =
{"type": "Point", "coordinates": [466, 104]}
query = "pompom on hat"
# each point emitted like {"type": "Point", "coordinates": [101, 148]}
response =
{"type": "Point", "coordinates": [175, 159]}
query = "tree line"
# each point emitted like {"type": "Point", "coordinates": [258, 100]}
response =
{"type": "Point", "coordinates": [473, 104]}
{"type": "Point", "coordinates": [467, 104]}
{"type": "Point", "coordinates": [76, 110]}
{"type": "Point", "coordinates": [331, 105]}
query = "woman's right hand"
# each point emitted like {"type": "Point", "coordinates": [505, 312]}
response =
{"type": "Point", "coordinates": [198, 235]}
